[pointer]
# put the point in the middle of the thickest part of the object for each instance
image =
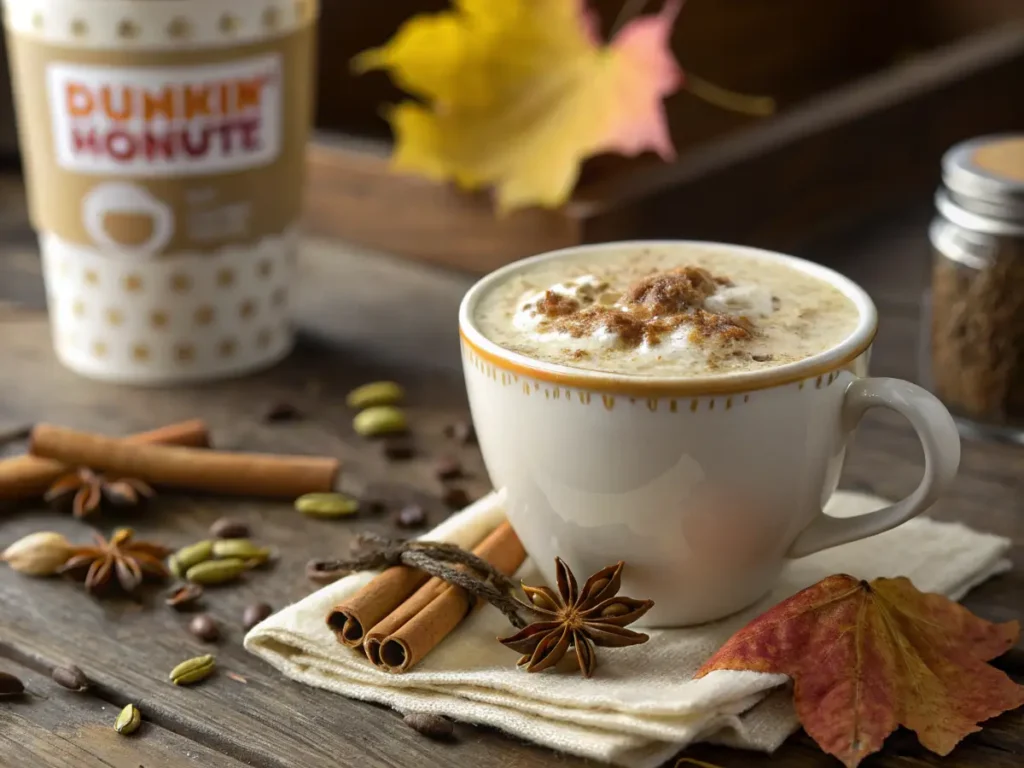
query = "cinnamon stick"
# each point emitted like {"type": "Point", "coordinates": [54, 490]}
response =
{"type": "Point", "coordinates": [395, 620]}
{"type": "Point", "coordinates": [352, 619]}
{"type": "Point", "coordinates": [407, 645]}
{"type": "Point", "coordinates": [356, 616]}
{"type": "Point", "coordinates": [26, 477]}
{"type": "Point", "coordinates": [242, 474]}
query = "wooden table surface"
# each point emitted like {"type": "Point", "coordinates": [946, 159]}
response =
{"type": "Point", "coordinates": [366, 316]}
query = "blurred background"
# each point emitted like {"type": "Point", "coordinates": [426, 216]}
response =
{"type": "Point", "coordinates": [870, 94]}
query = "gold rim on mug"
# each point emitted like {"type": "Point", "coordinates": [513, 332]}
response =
{"type": "Point", "coordinates": [834, 359]}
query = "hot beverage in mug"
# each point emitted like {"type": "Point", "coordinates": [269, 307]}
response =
{"type": "Point", "coordinates": [684, 407]}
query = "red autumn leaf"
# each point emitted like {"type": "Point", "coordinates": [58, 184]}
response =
{"type": "Point", "coordinates": [866, 658]}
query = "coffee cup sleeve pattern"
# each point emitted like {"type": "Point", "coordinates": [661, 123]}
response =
{"type": "Point", "coordinates": [156, 24]}
{"type": "Point", "coordinates": [184, 318]}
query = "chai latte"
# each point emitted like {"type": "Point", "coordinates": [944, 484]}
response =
{"type": "Point", "coordinates": [676, 311]}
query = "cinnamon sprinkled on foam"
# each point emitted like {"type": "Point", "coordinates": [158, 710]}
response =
{"type": "Point", "coordinates": [650, 308]}
{"type": "Point", "coordinates": [653, 312]}
{"type": "Point", "coordinates": [557, 305]}
{"type": "Point", "coordinates": [668, 293]}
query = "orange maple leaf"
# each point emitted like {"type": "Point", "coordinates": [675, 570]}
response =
{"type": "Point", "coordinates": [866, 658]}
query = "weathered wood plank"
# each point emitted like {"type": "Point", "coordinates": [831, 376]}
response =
{"type": "Point", "coordinates": [50, 727]}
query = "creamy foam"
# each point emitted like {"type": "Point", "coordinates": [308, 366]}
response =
{"type": "Point", "coordinates": [675, 311]}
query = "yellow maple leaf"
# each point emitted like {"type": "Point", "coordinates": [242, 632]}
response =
{"type": "Point", "coordinates": [517, 93]}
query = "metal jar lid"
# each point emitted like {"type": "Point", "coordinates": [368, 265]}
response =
{"type": "Point", "coordinates": [984, 184]}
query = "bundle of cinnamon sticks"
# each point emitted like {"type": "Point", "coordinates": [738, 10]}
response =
{"type": "Point", "coordinates": [175, 456]}
{"type": "Point", "coordinates": [403, 614]}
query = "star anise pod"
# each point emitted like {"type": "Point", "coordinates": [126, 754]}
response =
{"type": "Point", "coordinates": [578, 619]}
{"type": "Point", "coordinates": [89, 490]}
{"type": "Point", "coordinates": [128, 560]}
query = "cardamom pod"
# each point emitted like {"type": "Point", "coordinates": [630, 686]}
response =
{"type": "Point", "coordinates": [128, 720]}
{"type": "Point", "coordinates": [259, 559]}
{"type": "Point", "coordinates": [193, 670]}
{"type": "Point", "coordinates": [175, 567]}
{"type": "Point", "coordinates": [243, 549]}
{"type": "Point", "coordinates": [375, 393]}
{"type": "Point", "coordinates": [186, 557]}
{"type": "Point", "coordinates": [379, 420]}
{"type": "Point", "coordinates": [216, 571]}
{"type": "Point", "coordinates": [38, 554]}
{"type": "Point", "coordinates": [326, 505]}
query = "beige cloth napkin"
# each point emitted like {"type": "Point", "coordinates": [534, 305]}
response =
{"type": "Point", "coordinates": [642, 706]}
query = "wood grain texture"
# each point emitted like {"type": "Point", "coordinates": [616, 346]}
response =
{"type": "Point", "coordinates": [51, 727]}
{"type": "Point", "coordinates": [366, 316]}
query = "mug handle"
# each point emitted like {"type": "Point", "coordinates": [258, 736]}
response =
{"type": "Point", "coordinates": [939, 439]}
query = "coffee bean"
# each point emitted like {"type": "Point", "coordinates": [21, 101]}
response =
{"type": "Point", "coordinates": [456, 498]}
{"type": "Point", "coordinates": [254, 614]}
{"type": "Point", "coordinates": [373, 506]}
{"type": "Point", "coordinates": [412, 516]}
{"type": "Point", "coordinates": [183, 597]}
{"type": "Point", "coordinates": [10, 685]}
{"type": "Point", "coordinates": [70, 677]}
{"type": "Point", "coordinates": [281, 411]}
{"type": "Point", "coordinates": [398, 448]}
{"type": "Point", "coordinates": [462, 431]}
{"type": "Point", "coordinates": [323, 572]}
{"type": "Point", "coordinates": [205, 628]}
{"type": "Point", "coordinates": [229, 528]}
{"type": "Point", "coordinates": [431, 726]}
{"type": "Point", "coordinates": [447, 468]}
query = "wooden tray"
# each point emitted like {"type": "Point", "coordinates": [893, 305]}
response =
{"type": "Point", "coordinates": [825, 159]}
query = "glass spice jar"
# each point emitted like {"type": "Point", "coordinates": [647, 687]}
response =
{"type": "Point", "coordinates": [977, 295]}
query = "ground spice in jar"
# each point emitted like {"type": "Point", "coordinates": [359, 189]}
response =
{"type": "Point", "coordinates": [977, 304]}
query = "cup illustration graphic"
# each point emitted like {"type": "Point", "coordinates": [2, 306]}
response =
{"type": "Point", "coordinates": [163, 146]}
{"type": "Point", "coordinates": [124, 218]}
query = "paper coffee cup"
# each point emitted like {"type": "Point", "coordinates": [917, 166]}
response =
{"type": "Point", "coordinates": [163, 145]}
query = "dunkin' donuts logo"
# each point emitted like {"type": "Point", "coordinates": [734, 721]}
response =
{"type": "Point", "coordinates": [171, 121]}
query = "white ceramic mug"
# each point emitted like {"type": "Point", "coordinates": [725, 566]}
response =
{"type": "Point", "coordinates": [705, 487]}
